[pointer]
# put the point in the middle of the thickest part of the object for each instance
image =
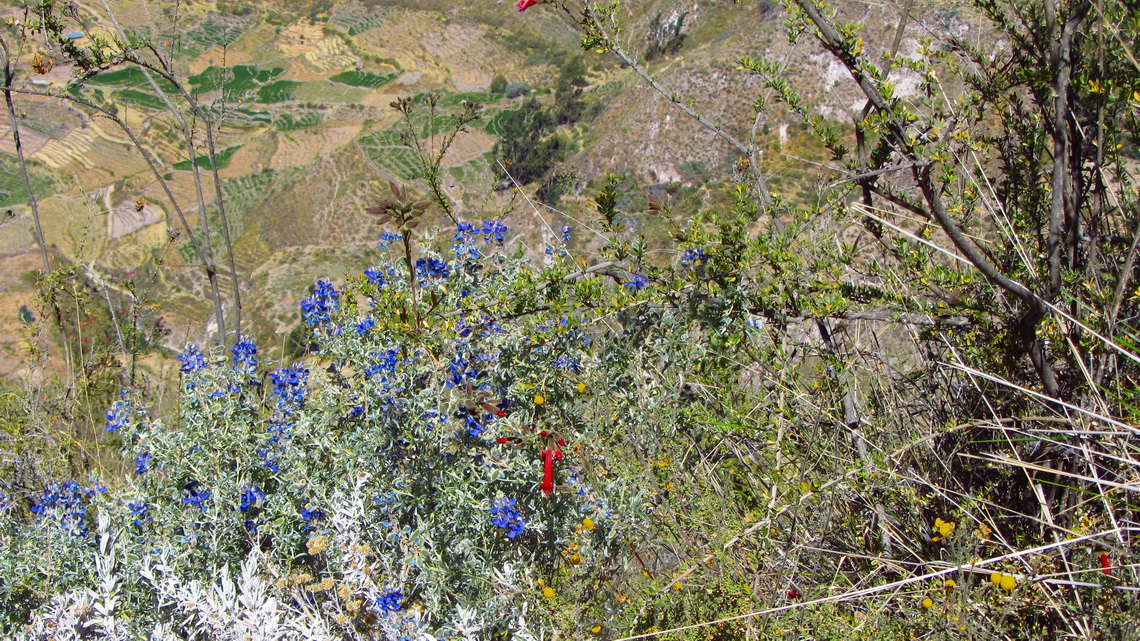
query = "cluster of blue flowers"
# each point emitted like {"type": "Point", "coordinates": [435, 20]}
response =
{"type": "Point", "coordinates": [431, 268]}
{"type": "Point", "coordinates": [460, 371]}
{"type": "Point", "coordinates": [388, 237]}
{"type": "Point", "coordinates": [472, 421]}
{"type": "Point", "coordinates": [142, 463]}
{"type": "Point", "coordinates": [117, 416]}
{"type": "Point", "coordinates": [311, 517]}
{"type": "Point", "coordinates": [566, 233]}
{"type": "Point", "coordinates": [505, 515]}
{"type": "Point", "coordinates": [636, 285]}
{"type": "Point", "coordinates": [324, 300]}
{"type": "Point", "coordinates": [692, 256]}
{"type": "Point", "coordinates": [363, 326]}
{"type": "Point", "coordinates": [388, 360]}
{"type": "Point", "coordinates": [251, 496]}
{"type": "Point", "coordinates": [245, 353]}
{"type": "Point", "coordinates": [141, 511]}
{"type": "Point", "coordinates": [192, 359]}
{"type": "Point", "coordinates": [290, 385]}
{"type": "Point", "coordinates": [195, 496]}
{"type": "Point", "coordinates": [68, 501]}
{"type": "Point", "coordinates": [568, 363]}
{"type": "Point", "coordinates": [375, 276]}
{"type": "Point", "coordinates": [391, 600]}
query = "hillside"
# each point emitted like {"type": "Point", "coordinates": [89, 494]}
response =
{"type": "Point", "coordinates": [306, 132]}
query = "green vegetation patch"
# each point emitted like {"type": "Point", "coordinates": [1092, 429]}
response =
{"type": "Point", "coordinates": [139, 99]}
{"type": "Point", "coordinates": [215, 30]}
{"type": "Point", "coordinates": [364, 79]}
{"type": "Point", "coordinates": [494, 124]}
{"type": "Point", "coordinates": [234, 82]}
{"type": "Point", "coordinates": [131, 77]}
{"type": "Point", "coordinates": [278, 91]}
{"type": "Point", "coordinates": [295, 121]}
{"type": "Point", "coordinates": [401, 162]}
{"type": "Point", "coordinates": [223, 160]}
{"type": "Point", "coordinates": [12, 185]}
{"type": "Point", "coordinates": [355, 18]}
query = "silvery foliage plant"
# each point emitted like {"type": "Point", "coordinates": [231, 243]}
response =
{"type": "Point", "coordinates": [417, 472]}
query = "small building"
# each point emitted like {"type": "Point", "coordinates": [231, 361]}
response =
{"type": "Point", "coordinates": [74, 35]}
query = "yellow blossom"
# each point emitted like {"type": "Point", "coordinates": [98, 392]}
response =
{"type": "Point", "coordinates": [539, 399]}
{"type": "Point", "coordinates": [943, 528]}
{"type": "Point", "coordinates": [927, 603]}
{"type": "Point", "coordinates": [581, 388]}
{"type": "Point", "coordinates": [588, 524]}
{"type": "Point", "coordinates": [317, 544]}
{"type": "Point", "coordinates": [950, 584]}
{"type": "Point", "coordinates": [1008, 582]}
{"type": "Point", "coordinates": [548, 592]}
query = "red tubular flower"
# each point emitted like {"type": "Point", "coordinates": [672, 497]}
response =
{"type": "Point", "coordinates": [1104, 564]}
{"type": "Point", "coordinates": [547, 471]}
{"type": "Point", "coordinates": [526, 4]}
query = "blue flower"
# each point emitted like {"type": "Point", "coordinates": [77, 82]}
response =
{"type": "Point", "coordinates": [195, 496]}
{"type": "Point", "coordinates": [374, 276]}
{"type": "Point", "coordinates": [324, 300]}
{"type": "Point", "coordinates": [365, 325]}
{"type": "Point", "coordinates": [141, 511]}
{"type": "Point", "coordinates": [505, 516]}
{"type": "Point", "coordinates": [290, 387]}
{"type": "Point", "coordinates": [693, 256]}
{"type": "Point", "coordinates": [192, 359]}
{"type": "Point", "coordinates": [430, 268]}
{"type": "Point", "coordinates": [566, 233]}
{"type": "Point", "coordinates": [244, 352]}
{"type": "Point", "coordinates": [251, 495]}
{"type": "Point", "coordinates": [388, 237]}
{"type": "Point", "coordinates": [636, 285]}
{"type": "Point", "coordinates": [117, 416]}
{"type": "Point", "coordinates": [390, 600]}
{"type": "Point", "coordinates": [312, 516]}
{"type": "Point", "coordinates": [67, 501]}
{"type": "Point", "coordinates": [142, 463]}
{"type": "Point", "coordinates": [493, 231]}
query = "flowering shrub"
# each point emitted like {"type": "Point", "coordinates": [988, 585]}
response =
{"type": "Point", "coordinates": [423, 474]}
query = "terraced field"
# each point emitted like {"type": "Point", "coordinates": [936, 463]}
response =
{"type": "Point", "coordinates": [215, 30]}
{"type": "Point", "coordinates": [364, 79]}
{"type": "Point", "coordinates": [355, 18]}
{"type": "Point", "coordinates": [221, 160]}
{"type": "Point", "coordinates": [12, 185]}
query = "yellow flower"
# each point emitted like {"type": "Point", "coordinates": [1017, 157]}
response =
{"type": "Point", "coordinates": [927, 603]}
{"type": "Point", "coordinates": [588, 524]}
{"type": "Point", "coordinates": [581, 388]}
{"type": "Point", "coordinates": [950, 584]}
{"type": "Point", "coordinates": [943, 528]}
{"type": "Point", "coordinates": [1008, 582]}
{"type": "Point", "coordinates": [995, 578]}
{"type": "Point", "coordinates": [539, 399]}
{"type": "Point", "coordinates": [597, 629]}
{"type": "Point", "coordinates": [548, 592]}
{"type": "Point", "coordinates": [575, 559]}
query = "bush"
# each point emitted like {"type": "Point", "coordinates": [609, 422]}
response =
{"type": "Point", "coordinates": [437, 469]}
{"type": "Point", "coordinates": [515, 89]}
